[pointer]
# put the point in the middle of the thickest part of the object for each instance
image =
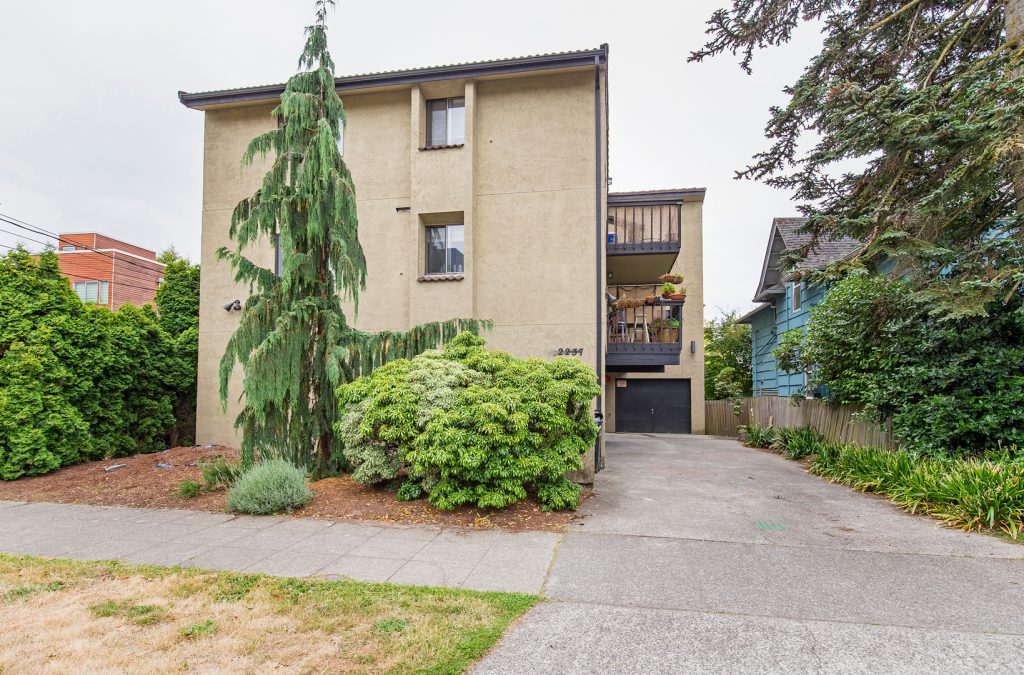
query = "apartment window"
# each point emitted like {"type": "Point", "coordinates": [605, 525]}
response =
{"type": "Point", "coordinates": [446, 249]}
{"type": "Point", "coordinates": [67, 248]}
{"type": "Point", "coordinates": [92, 291]}
{"type": "Point", "coordinates": [446, 121]}
{"type": "Point", "coordinates": [796, 295]}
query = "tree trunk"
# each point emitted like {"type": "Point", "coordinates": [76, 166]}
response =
{"type": "Point", "coordinates": [1014, 22]}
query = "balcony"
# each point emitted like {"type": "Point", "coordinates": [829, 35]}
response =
{"type": "Point", "coordinates": [643, 239]}
{"type": "Point", "coordinates": [645, 331]}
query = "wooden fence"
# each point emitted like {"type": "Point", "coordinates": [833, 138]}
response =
{"type": "Point", "coordinates": [836, 423]}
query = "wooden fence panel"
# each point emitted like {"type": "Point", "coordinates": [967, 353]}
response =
{"type": "Point", "coordinates": [836, 423]}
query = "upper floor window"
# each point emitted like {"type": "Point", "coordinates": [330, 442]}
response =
{"type": "Point", "coordinates": [796, 295]}
{"type": "Point", "coordinates": [70, 247]}
{"type": "Point", "coordinates": [446, 249]}
{"type": "Point", "coordinates": [92, 291]}
{"type": "Point", "coordinates": [446, 121]}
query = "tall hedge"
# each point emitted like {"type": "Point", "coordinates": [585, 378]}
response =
{"type": "Point", "coordinates": [946, 385]}
{"type": "Point", "coordinates": [79, 382]}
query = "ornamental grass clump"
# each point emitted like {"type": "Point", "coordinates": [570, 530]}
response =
{"type": "Point", "coordinates": [271, 486]}
{"type": "Point", "coordinates": [757, 436]}
{"type": "Point", "coordinates": [467, 426]}
{"type": "Point", "coordinates": [797, 442]}
{"type": "Point", "coordinates": [985, 492]}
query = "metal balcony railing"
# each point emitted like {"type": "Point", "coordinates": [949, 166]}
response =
{"type": "Point", "coordinates": [644, 329]}
{"type": "Point", "coordinates": [651, 228]}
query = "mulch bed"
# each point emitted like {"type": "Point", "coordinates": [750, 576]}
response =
{"type": "Point", "coordinates": [141, 484]}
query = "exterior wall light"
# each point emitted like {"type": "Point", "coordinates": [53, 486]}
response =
{"type": "Point", "coordinates": [234, 304]}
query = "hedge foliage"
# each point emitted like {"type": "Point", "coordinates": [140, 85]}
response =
{"type": "Point", "coordinates": [79, 382]}
{"type": "Point", "coordinates": [471, 426]}
{"type": "Point", "coordinates": [947, 385]}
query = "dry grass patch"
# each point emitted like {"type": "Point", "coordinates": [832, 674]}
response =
{"type": "Point", "coordinates": [70, 616]}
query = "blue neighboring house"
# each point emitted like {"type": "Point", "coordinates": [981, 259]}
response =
{"type": "Point", "coordinates": [785, 302]}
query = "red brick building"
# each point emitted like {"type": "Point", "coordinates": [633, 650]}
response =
{"type": "Point", "coordinates": [107, 271]}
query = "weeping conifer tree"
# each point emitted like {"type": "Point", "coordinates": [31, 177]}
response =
{"type": "Point", "coordinates": [294, 342]}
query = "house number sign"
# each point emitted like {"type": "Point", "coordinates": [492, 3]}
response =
{"type": "Point", "coordinates": [569, 351]}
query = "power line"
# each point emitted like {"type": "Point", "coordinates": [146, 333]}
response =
{"type": "Point", "coordinates": [11, 220]}
{"type": "Point", "coordinates": [92, 269]}
{"type": "Point", "coordinates": [87, 268]}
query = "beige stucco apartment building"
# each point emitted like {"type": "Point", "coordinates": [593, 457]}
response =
{"type": "Point", "coordinates": [482, 192]}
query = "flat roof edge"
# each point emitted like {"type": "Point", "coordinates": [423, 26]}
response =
{"type": "Point", "coordinates": [656, 197]}
{"type": "Point", "coordinates": [521, 64]}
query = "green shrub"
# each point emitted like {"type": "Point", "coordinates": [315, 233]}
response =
{"type": "Point", "coordinates": [471, 426]}
{"type": "Point", "coordinates": [80, 382]}
{"type": "Point", "coordinates": [797, 442]}
{"type": "Point", "coordinates": [220, 473]}
{"type": "Point", "coordinates": [757, 436]}
{"type": "Point", "coordinates": [976, 493]}
{"type": "Point", "coordinates": [271, 486]}
{"type": "Point", "coordinates": [384, 413]}
{"type": "Point", "coordinates": [189, 489]}
{"type": "Point", "coordinates": [947, 385]}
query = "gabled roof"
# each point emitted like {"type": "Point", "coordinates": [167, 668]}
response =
{"type": "Point", "coordinates": [786, 236]}
{"type": "Point", "coordinates": [519, 64]}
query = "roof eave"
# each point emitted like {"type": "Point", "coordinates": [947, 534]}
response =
{"type": "Point", "coordinates": [657, 197]}
{"type": "Point", "coordinates": [768, 294]}
{"type": "Point", "coordinates": [201, 100]}
{"type": "Point", "coordinates": [748, 317]}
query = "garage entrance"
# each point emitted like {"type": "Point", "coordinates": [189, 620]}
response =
{"type": "Point", "coordinates": [652, 406]}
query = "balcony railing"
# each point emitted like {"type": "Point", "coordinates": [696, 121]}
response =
{"type": "Point", "coordinates": [645, 330]}
{"type": "Point", "coordinates": [643, 228]}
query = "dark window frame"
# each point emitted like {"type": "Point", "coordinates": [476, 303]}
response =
{"type": "Point", "coordinates": [448, 267]}
{"type": "Point", "coordinates": [450, 138]}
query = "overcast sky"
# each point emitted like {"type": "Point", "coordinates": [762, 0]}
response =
{"type": "Point", "coordinates": [93, 136]}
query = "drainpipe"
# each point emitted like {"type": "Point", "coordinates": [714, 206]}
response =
{"type": "Point", "coordinates": [598, 260]}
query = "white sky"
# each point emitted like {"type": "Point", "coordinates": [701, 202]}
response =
{"type": "Point", "coordinates": [93, 137]}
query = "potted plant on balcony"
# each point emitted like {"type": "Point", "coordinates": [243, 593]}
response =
{"type": "Point", "coordinates": [665, 330]}
{"type": "Point", "coordinates": [680, 293]}
{"type": "Point", "coordinates": [671, 278]}
{"type": "Point", "coordinates": [667, 289]}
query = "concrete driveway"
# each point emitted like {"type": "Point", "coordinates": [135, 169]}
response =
{"type": "Point", "coordinates": [698, 554]}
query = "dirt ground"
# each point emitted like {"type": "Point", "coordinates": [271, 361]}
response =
{"type": "Point", "coordinates": [144, 484]}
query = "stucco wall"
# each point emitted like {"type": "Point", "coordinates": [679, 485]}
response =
{"type": "Point", "coordinates": [523, 184]}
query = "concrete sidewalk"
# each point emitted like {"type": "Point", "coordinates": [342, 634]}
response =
{"type": "Point", "coordinates": [695, 555]}
{"type": "Point", "coordinates": [700, 555]}
{"type": "Point", "coordinates": [424, 556]}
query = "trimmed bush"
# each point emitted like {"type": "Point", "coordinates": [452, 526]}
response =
{"type": "Point", "coordinates": [471, 426]}
{"type": "Point", "coordinates": [268, 487]}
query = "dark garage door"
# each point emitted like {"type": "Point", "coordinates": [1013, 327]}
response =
{"type": "Point", "coordinates": [653, 406]}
